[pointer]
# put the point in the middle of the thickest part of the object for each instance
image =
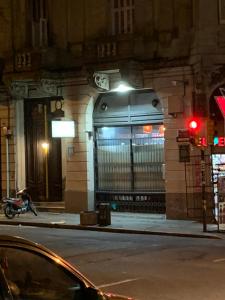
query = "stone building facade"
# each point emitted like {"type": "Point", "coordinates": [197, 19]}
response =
{"type": "Point", "coordinates": [63, 54]}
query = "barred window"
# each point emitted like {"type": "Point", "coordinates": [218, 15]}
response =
{"type": "Point", "coordinates": [122, 16]}
{"type": "Point", "coordinates": [221, 11]}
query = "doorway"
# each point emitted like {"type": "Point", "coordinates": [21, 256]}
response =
{"type": "Point", "coordinates": [43, 153]}
{"type": "Point", "coordinates": [129, 151]}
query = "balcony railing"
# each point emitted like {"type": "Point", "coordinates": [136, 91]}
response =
{"type": "Point", "coordinates": [23, 61]}
{"type": "Point", "coordinates": [108, 49]}
{"type": "Point", "coordinates": [102, 51]}
{"type": "Point", "coordinates": [27, 61]}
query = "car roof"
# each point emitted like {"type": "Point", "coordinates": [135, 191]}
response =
{"type": "Point", "coordinates": [11, 239]}
{"type": "Point", "coordinates": [18, 239]}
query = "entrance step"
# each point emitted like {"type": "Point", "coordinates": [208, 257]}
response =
{"type": "Point", "coordinates": [50, 206]}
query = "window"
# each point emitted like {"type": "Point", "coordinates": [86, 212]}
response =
{"type": "Point", "coordinates": [221, 11]}
{"type": "Point", "coordinates": [39, 25]}
{"type": "Point", "coordinates": [122, 16]}
{"type": "Point", "coordinates": [32, 277]}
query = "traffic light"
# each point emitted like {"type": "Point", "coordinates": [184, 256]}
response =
{"type": "Point", "coordinates": [194, 125]}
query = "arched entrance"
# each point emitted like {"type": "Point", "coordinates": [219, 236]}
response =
{"type": "Point", "coordinates": [129, 151]}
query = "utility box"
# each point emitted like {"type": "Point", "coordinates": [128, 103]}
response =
{"type": "Point", "coordinates": [104, 215]}
{"type": "Point", "coordinates": [88, 218]}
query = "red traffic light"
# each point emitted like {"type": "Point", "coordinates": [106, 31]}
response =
{"type": "Point", "coordinates": [194, 124]}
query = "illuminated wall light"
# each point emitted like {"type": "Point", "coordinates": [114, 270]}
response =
{"type": "Point", "coordinates": [123, 87]}
{"type": "Point", "coordinates": [45, 146]}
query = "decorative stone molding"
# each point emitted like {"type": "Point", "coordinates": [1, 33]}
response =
{"type": "Point", "coordinates": [29, 89]}
{"type": "Point", "coordinates": [44, 88]}
{"type": "Point", "coordinates": [50, 87]}
{"type": "Point", "coordinates": [19, 90]}
{"type": "Point", "coordinates": [101, 81]}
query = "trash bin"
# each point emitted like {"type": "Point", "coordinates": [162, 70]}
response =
{"type": "Point", "coordinates": [104, 215]}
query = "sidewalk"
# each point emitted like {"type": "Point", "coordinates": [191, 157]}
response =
{"type": "Point", "coordinates": [120, 222]}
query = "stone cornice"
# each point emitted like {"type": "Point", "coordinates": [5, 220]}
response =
{"type": "Point", "coordinates": [46, 87]}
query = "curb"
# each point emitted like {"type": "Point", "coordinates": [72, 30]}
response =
{"type": "Point", "coordinates": [108, 229]}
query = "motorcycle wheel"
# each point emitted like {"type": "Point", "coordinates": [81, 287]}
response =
{"type": "Point", "coordinates": [8, 212]}
{"type": "Point", "coordinates": [33, 209]}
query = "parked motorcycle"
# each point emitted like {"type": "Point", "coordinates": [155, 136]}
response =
{"type": "Point", "coordinates": [20, 205]}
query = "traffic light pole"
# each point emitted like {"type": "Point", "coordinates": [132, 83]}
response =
{"type": "Point", "coordinates": [204, 207]}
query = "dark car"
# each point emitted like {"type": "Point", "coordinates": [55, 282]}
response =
{"type": "Point", "coordinates": [29, 271]}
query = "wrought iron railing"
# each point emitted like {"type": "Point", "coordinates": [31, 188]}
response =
{"type": "Point", "coordinates": [133, 202]}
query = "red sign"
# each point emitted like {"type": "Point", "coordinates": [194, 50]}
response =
{"type": "Point", "coordinates": [217, 141]}
{"type": "Point", "coordinates": [203, 141]}
{"type": "Point", "coordinates": [220, 142]}
{"type": "Point", "coordinates": [221, 103]}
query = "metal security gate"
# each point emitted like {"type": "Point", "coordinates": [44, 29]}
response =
{"type": "Point", "coordinates": [193, 178]}
{"type": "Point", "coordinates": [130, 171]}
{"type": "Point", "coordinates": [129, 151]}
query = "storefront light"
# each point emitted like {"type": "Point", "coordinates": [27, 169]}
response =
{"type": "Point", "coordinates": [147, 129]}
{"type": "Point", "coordinates": [162, 130]}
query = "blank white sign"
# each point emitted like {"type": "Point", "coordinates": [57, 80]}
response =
{"type": "Point", "coordinates": [63, 129]}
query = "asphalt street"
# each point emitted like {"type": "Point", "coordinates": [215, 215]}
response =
{"type": "Point", "coordinates": [141, 266]}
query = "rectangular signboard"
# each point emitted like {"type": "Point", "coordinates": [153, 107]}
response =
{"type": "Point", "coordinates": [62, 129]}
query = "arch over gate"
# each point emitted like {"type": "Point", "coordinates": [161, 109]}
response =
{"type": "Point", "coordinates": [129, 151]}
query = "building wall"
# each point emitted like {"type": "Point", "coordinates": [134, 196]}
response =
{"type": "Point", "coordinates": [79, 188]}
{"type": "Point", "coordinates": [162, 81]}
{"type": "Point", "coordinates": [5, 23]}
{"type": "Point", "coordinates": [176, 41]}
